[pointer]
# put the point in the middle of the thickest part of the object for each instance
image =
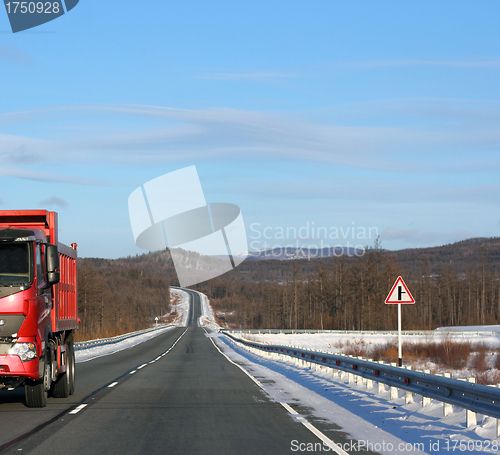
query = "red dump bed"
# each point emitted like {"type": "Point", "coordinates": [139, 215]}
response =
{"type": "Point", "coordinates": [65, 312]}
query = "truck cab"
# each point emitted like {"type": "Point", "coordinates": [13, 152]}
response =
{"type": "Point", "coordinates": [37, 311]}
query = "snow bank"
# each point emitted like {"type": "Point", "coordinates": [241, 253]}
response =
{"type": "Point", "coordinates": [85, 355]}
{"type": "Point", "coordinates": [207, 318]}
{"type": "Point", "coordinates": [182, 308]}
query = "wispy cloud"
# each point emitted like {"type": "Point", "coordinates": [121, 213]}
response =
{"type": "Point", "coordinates": [12, 54]}
{"type": "Point", "coordinates": [199, 134]}
{"type": "Point", "coordinates": [54, 201]}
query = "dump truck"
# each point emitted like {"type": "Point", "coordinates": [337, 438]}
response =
{"type": "Point", "coordinates": [38, 306]}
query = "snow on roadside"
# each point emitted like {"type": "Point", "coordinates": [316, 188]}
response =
{"type": "Point", "coordinates": [207, 318]}
{"type": "Point", "coordinates": [84, 355]}
{"type": "Point", "coordinates": [182, 309]}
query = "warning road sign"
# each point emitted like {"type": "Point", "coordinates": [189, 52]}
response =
{"type": "Point", "coordinates": [399, 293]}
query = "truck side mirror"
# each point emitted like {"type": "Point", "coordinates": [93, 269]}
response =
{"type": "Point", "coordinates": [52, 263]}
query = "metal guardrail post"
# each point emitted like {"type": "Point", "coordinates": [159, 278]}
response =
{"type": "Point", "coordinates": [470, 416]}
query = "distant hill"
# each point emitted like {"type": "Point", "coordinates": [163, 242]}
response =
{"type": "Point", "coordinates": [460, 256]}
{"type": "Point", "coordinates": [278, 264]}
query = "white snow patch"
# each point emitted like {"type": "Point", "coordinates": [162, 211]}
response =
{"type": "Point", "coordinates": [84, 355]}
{"type": "Point", "coordinates": [182, 308]}
{"type": "Point", "coordinates": [207, 318]}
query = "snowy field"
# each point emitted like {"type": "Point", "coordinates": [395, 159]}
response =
{"type": "Point", "coordinates": [338, 343]}
{"type": "Point", "coordinates": [179, 306]}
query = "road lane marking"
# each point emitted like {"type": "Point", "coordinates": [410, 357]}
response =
{"type": "Point", "coordinates": [78, 409]}
{"type": "Point", "coordinates": [289, 408]}
{"type": "Point", "coordinates": [112, 384]}
{"type": "Point", "coordinates": [160, 356]}
{"type": "Point", "coordinates": [304, 422]}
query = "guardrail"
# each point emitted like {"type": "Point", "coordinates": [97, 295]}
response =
{"type": "Point", "coordinates": [473, 397]}
{"type": "Point", "coordinates": [368, 332]}
{"type": "Point", "coordinates": [102, 341]}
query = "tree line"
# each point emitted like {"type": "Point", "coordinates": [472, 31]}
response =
{"type": "Point", "coordinates": [348, 294]}
{"type": "Point", "coordinates": [456, 284]}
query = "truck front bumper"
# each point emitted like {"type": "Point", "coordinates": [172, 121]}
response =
{"type": "Point", "coordinates": [11, 365]}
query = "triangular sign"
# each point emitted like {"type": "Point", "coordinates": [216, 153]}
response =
{"type": "Point", "coordinates": [399, 293]}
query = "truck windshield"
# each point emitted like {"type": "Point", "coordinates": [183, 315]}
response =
{"type": "Point", "coordinates": [14, 264]}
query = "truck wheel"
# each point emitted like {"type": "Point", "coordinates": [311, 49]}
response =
{"type": "Point", "coordinates": [36, 392]}
{"type": "Point", "coordinates": [71, 367]}
{"type": "Point", "coordinates": [60, 388]}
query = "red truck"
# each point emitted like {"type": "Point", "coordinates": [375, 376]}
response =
{"type": "Point", "coordinates": [38, 306]}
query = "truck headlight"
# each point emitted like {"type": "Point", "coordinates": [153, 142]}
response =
{"type": "Point", "coordinates": [26, 351]}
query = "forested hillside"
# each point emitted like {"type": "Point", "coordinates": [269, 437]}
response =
{"type": "Point", "coordinates": [456, 284]}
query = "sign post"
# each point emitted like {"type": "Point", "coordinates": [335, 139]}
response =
{"type": "Point", "coordinates": [399, 294]}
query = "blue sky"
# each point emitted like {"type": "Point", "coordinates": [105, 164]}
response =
{"type": "Point", "coordinates": [326, 114]}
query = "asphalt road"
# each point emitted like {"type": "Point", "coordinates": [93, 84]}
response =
{"type": "Point", "coordinates": [192, 400]}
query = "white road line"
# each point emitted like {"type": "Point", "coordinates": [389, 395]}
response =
{"type": "Point", "coordinates": [78, 409]}
{"type": "Point", "coordinates": [289, 408]}
{"type": "Point", "coordinates": [304, 422]}
{"type": "Point", "coordinates": [326, 440]}
{"type": "Point", "coordinates": [112, 384]}
{"type": "Point", "coordinates": [165, 353]}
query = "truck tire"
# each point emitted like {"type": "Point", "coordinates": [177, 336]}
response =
{"type": "Point", "coordinates": [36, 392]}
{"type": "Point", "coordinates": [60, 388]}
{"type": "Point", "coordinates": [71, 367]}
